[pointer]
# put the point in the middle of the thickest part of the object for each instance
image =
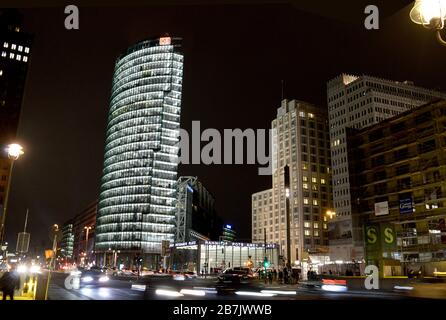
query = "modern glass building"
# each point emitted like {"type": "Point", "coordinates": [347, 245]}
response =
{"type": "Point", "coordinates": [138, 188]}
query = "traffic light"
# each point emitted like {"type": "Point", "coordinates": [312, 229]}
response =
{"type": "Point", "coordinates": [266, 263]}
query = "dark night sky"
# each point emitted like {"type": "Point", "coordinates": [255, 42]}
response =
{"type": "Point", "coordinates": [235, 58]}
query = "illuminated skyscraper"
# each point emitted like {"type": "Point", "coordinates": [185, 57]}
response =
{"type": "Point", "coordinates": [139, 180]}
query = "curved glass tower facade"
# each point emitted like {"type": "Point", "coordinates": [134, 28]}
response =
{"type": "Point", "coordinates": [138, 187]}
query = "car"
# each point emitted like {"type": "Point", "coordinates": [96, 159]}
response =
{"type": "Point", "coordinates": [93, 277]}
{"type": "Point", "coordinates": [429, 288]}
{"type": "Point", "coordinates": [235, 275]}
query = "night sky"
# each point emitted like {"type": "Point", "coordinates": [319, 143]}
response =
{"type": "Point", "coordinates": [235, 59]}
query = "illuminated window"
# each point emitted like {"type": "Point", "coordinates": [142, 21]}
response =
{"type": "Point", "coordinates": [325, 226]}
{"type": "Point", "coordinates": [25, 58]}
{"type": "Point", "coordinates": [17, 29]}
{"type": "Point", "coordinates": [302, 114]}
{"type": "Point", "coordinates": [1, 72]}
{"type": "Point", "coordinates": [5, 44]}
{"type": "Point", "coordinates": [26, 50]}
{"type": "Point", "coordinates": [305, 186]}
{"type": "Point", "coordinates": [314, 180]}
{"type": "Point", "coordinates": [316, 233]}
{"type": "Point", "coordinates": [304, 166]}
{"type": "Point", "coordinates": [305, 178]}
{"type": "Point", "coordinates": [322, 181]}
{"type": "Point", "coordinates": [316, 225]}
{"type": "Point", "coordinates": [3, 54]}
{"type": "Point", "coordinates": [20, 48]}
{"type": "Point", "coordinates": [305, 200]}
{"type": "Point", "coordinates": [307, 232]}
{"type": "Point", "coordinates": [13, 47]}
{"type": "Point", "coordinates": [310, 115]}
{"type": "Point", "coordinates": [18, 57]}
{"type": "Point", "coordinates": [307, 224]}
{"type": "Point", "coordinates": [11, 55]}
{"type": "Point", "coordinates": [315, 202]}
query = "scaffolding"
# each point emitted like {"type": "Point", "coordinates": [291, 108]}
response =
{"type": "Point", "coordinates": [182, 216]}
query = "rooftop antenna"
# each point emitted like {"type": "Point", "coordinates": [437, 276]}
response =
{"type": "Point", "coordinates": [282, 91]}
{"type": "Point", "coordinates": [26, 220]}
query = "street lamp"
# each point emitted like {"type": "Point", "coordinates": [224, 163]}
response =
{"type": "Point", "coordinates": [14, 151]}
{"type": "Point", "coordinates": [87, 230]}
{"type": "Point", "coordinates": [431, 14]}
{"type": "Point", "coordinates": [330, 214]}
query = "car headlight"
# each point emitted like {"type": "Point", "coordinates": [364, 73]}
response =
{"type": "Point", "coordinates": [35, 269]}
{"type": "Point", "coordinates": [22, 268]}
{"type": "Point", "coordinates": [87, 279]}
{"type": "Point", "coordinates": [103, 279]}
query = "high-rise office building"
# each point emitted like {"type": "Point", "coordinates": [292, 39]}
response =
{"type": "Point", "coordinates": [359, 102]}
{"type": "Point", "coordinates": [300, 140]}
{"type": "Point", "coordinates": [196, 216]}
{"type": "Point", "coordinates": [398, 175]}
{"type": "Point", "coordinates": [15, 50]}
{"type": "Point", "coordinates": [139, 181]}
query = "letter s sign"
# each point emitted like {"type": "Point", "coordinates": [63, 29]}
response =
{"type": "Point", "coordinates": [388, 235]}
{"type": "Point", "coordinates": [372, 235]}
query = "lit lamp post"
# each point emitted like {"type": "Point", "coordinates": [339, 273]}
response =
{"type": "Point", "coordinates": [431, 14]}
{"type": "Point", "coordinates": [87, 231]}
{"type": "Point", "coordinates": [14, 151]}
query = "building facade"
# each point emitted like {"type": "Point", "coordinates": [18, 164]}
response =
{"type": "Point", "coordinates": [15, 49]}
{"type": "Point", "coordinates": [67, 241]}
{"type": "Point", "coordinates": [300, 140]}
{"type": "Point", "coordinates": [196, 217]}
{"type": "Point", "coordinates": [359, 102]}
{"type": "Point", "coordinates": [84, 229]}
{"type": "Point", "coordinates": [212, 257]}
{"type": "Point", "coordinates": [398, 176]}
{"type": "Point", "coordinates": [139, 181]}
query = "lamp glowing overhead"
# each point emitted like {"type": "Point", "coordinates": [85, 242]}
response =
{"type": "Point", "coordinates": [430, 13]}
{"type": "Point", "coordinates": [14, 151]}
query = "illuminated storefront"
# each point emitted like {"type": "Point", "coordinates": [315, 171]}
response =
{"type": "Point", "coordinates": [213, 256]}
{"type": "Point", "coordinates": [138, 187]}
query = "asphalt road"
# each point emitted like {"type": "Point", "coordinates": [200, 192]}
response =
{"type": "Point", "coordinates": [119, 289]}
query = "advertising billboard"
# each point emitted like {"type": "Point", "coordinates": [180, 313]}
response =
{"type": "Point", "coordinates": [382, 208]}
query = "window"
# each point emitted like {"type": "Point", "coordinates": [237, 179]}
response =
{"type": "Point", "coordinates": [305, 200]}
{"type": "Point", "coordinates": [315, 202]}
{"type": "Point", "coordinates": [314, 180]}
{"type": "Point", "coordinates": [5, 45]}
{"type": "Point", "coordinates": [305, 186]}
{"type": "Point", "coordinates": [316, 233]}
{"type": "Point", "coordinates": [322, 181]}
{"type": "Point", "coordinates": [25, 59]}
{"type": "Point", "coordinates": [26, 50]}
{"type": "Point", "coordinates": [13, 47]}
{"type": "Point", "coordinates": [20, 48]}
{"type": "Point", "coordinates": [11, 55]}
{"type": "Point", "coordinates": [307, 224]}
{"type": "Point", "coordinates": [302, 114]}
{"type": "Point", "coordinates": [307, 232]}
{"type": "Point", "coordinates": [305, 178]}
{"type": "Point", "coordinates": [18, 57]}
{"type": "Point", "coordinates": [3, 54]}
{"type": "Point", "coordinates": [316, 225]}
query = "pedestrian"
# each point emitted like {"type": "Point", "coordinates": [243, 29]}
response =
{"type": "Point", "coordinates": [9, 282]}
{"type": "Point", "coordinates": [285, 275]}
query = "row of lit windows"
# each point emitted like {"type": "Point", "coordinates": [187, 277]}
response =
{"type": "Point", "coordinates": [14, 47]}
{"type": "Point", "coordinates": [17, 57]}
{"type": "Point", "coordinates": [142, 57]}
{"type": "Point", "coordinates": [135, 90]}
{"type": "Point", "coordinates": [167, 72]}
{"type": "Point", "coordinates": [149, 69]}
